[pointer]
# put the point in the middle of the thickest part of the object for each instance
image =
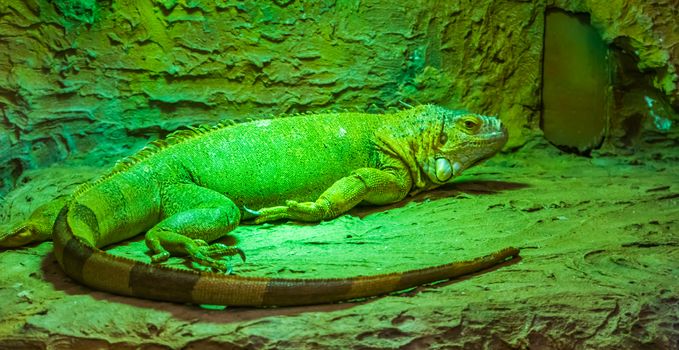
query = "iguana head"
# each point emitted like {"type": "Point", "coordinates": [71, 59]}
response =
{"type": "Point", "coordinates": [462, 141]}
{"type": "Point", "coordinates": [438, 144]}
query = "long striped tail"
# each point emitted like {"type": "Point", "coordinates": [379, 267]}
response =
{"type": "Point", "coordinates": [97, 269]}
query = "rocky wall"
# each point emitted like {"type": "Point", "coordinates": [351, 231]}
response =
{"type": "Point", "coordinates": [647, 30]}
{"type": "Point", "coordinates": [644, 41]}
{"type": "Point", "coordinates": [90, 81]}
{"type": "Point", "coordinates": [93, 80]}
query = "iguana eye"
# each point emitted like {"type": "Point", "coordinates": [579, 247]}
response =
{"type": "Point", "coordinates": [469, 124]}
{"type": "Point", "coordinates": [443, 139]}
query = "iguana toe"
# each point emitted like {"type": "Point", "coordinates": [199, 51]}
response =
{"type": "Point", "coordinates": [219, 249]}
{"type": "Point", "coordinates": [160, 257]}
{"type": "Point", "coordinates": [294, 210]}
{"type": "Point", "coordinates": [251, 212]}
{"type": "Point", "coordinates": [272, 214]}
{"type": "Point", "coordinates": [202, 256]}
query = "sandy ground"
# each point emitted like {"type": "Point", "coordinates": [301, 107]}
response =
{"type": "Point", "coordinates": [599, 267]}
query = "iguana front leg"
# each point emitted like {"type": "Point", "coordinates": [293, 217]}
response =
{"type": "Point", "coordinates": [370, 185]}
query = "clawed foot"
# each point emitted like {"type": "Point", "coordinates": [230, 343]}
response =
{"type": "Point", "coordinates": [213, 256]}
{"type": "Point", "coordinates": [293, 210]}
{"type": "Point", "coordinates": [219, 249]}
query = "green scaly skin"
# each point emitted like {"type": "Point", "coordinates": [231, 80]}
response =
{"type": "Point", "coordinates": [194, 187]}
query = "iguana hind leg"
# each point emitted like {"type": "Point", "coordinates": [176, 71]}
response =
{"type": "Point", "coordinates": [192, 216]}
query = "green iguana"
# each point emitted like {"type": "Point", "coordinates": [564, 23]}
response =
{"type": "Point", "coordinates": [196, 185]}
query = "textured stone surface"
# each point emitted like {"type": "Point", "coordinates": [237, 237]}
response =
{"type": "Point", "coordinates": [598, 269]}
{"type": "Point", "coordinates": [648, 30]}
{"type": "Point", "coordinates": [93, 80]}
